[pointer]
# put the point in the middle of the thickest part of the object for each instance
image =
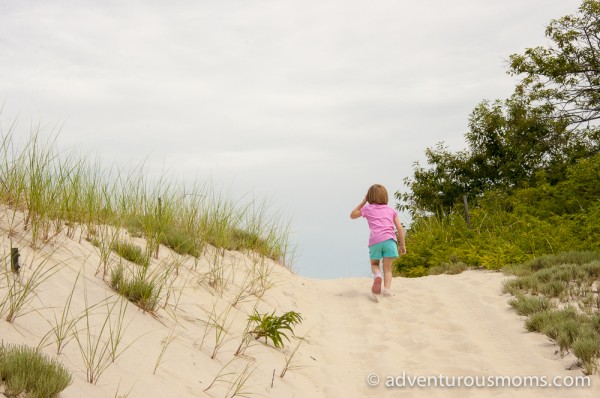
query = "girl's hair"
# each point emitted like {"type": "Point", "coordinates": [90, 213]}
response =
{"type": "Point", "coordinates": [377, 194]}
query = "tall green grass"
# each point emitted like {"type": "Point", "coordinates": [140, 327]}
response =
{"type": "Point", "coordinates": [65, 191]}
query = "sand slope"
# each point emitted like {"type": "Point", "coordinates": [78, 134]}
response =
{"type": "Point", "coordinates": [452, 325]}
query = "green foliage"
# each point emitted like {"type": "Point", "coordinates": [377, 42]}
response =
{"type": "Point", "coordinates": [62, 191]}
{"type": "Point", "coordinates": [587, 348]}
{"type": "Point", "coordinates": [140, 289]}
{"type": "Point", "coordinates": [451, 268]}
{"type": "Point", "coordinates": [181, 241]}
{"type": "Point", "coordinates": [586, 258]}
{"type": "Point", "coordinates": [273, 327]}
{"type": "Point", "coordinates": [563, 76]}
{"type": "Point", "coordinates": [24, 370]}
{"type": "Point", "coordinates": [511, 145]}
{"type": "Point", "coordinates": [512, 229]}
{"type": "Point", "coordinates": [571, 277]}
{"type": "Point", "coordinates": [131, 252]}
{"type": "Point", "coordinates": [527, 305]}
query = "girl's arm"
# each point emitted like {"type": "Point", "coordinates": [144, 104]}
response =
{"type": "Point", "coordinates": [356, 212]}
{"type": "Point", "coordinates": [400, 229]}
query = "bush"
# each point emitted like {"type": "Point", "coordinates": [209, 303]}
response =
{"type": "Point", "coordinates": [570, 257]}
{"type": "Point", "coordinates": [131, 252]}
{"type": "Point", "coordinates": [451, 268]}
{"type": "Point", "coordinates": [181, 241]}
{"type": "Point", "coordinates": [550, 322]}
{"type": "Point", "coordinates": [527, 305]}
{"type": "Point", "coordinates": [140, 290]}
{"type": "Point", "coordinates": [521, 226]}
{"type": "Point", "coordinates": [586, 349]}
{"type": "Point", "coordinates": [26, 370]}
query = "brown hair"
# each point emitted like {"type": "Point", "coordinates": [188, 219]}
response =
{"type": "Point", "coordinates": [377, 194]}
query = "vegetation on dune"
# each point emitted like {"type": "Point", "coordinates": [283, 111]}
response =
{"type": "Point", "coordinates": [47, 195]}
{"type": "Point", "coordinates": [530, 173]}
{"type": "Point", "coordinates": [24, 370]}
{"type": "Point", "coordinates": [273, 327]}
{"type": "Point", "coordinates": [60, 191]}
{"type": "Point", "coordinates": [559, 294]}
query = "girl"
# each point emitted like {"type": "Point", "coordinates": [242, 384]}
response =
{"type": "Point", "coordinates": [383, 241]}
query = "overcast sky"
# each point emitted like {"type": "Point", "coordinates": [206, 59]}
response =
{"type": "Point", "coordinates": [304, 102]}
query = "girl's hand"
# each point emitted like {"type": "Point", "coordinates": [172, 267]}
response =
{"type": "Point", "coordinates": [402, 249]}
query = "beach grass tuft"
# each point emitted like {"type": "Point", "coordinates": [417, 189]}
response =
{"type": "Point", "coordinates": [26, 371]}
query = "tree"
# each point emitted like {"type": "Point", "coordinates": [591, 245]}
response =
{"type": "Point", "coordinates": [435, 189]}
{"type": "Point", "coordinates": [510, 145]}
{"type": "Point", "coordinates": [531, 138]}
{"type": "Point", "coordinates": [565, 76]}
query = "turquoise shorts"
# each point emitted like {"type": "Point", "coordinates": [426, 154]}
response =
{"type": "Point", "coordinates": [387, 248]}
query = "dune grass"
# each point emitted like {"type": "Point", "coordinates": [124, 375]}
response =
{"type": "Point", "coordinates": [63, 191]}
{"type": "Point", "coordinates": [24, 370]}
{"type": "Point", "coordinates": [138, 286]}
{"type": "Point", "coordinates": [131, 252]}
{"type": "Point", "coordinates": [21, 287]}
{"type": "Point", "coordinates": [560, 295]}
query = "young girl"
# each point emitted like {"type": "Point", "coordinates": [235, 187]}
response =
{"type": "Point", "coordinates": [383, 242]}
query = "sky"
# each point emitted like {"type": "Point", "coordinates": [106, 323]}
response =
{"type": "Point", "coordinates": [304, 103]}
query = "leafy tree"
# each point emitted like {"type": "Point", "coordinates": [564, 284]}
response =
{"type": "Point", "coordinates": [565, 76]}
{"type": "Point", "coordinates": [510, 145]}
{"type": "Point", "coordinates": [435, 189]}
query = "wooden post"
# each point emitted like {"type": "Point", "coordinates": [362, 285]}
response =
{"type": "Point", "coordinates": [14, 259]}
{"type": "Point", "coordinates": [467, 216]}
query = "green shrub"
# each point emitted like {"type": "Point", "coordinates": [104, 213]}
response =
{"type": "Point", "coordinates": [525, 284]}
{"type": "Point", "coordinates": [451, 268]}
{"type": "Point", "coordinates": [522, 226]}
{"type": "Point", "coordinates": [139, 289]}
{"type": "Point", "coordinates": [413, 272]}
{"type": "Point", "coordinates": [25, 370]}
{"type": "Point", "coordinates": [552, 288]}
{"type": "Point", "coordinates": [592, 269]}
{"type": "Point", "coordinates": [180, 241]}
{"type": "Point", "coordinates": [569, 257]}
{"type": "Point", "coordinates": [527, 305]}
{"type": "Point", "coordinates": [131, 252]}
{"type": "Point", "coordinates": [272, 327]}
{"type": "Point", "coordinates": [550, 322]}
{"type": "Point", "coordinates": [586, 348]}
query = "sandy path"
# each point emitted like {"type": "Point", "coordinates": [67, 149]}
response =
{"type": "Point", "coordinates": [452, 325]}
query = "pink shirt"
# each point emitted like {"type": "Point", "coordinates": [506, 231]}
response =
{"type": "Point", "coordinates": [381, 222]}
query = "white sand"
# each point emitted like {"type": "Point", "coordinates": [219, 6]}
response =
{"type": "Point", "coordinates": [450, 325]}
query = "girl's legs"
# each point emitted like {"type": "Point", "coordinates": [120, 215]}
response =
{"type": "Point", "coordinates": [387, 272]}
{"type": "Point", "coordinates": [375, 267]}
{"type": "Point", "coordinates": [376, 288]}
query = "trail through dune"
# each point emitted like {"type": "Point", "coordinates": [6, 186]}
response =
{"type": "Point", "coordinates": [446, 325]}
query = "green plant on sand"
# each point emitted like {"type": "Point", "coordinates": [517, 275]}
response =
{"type": "Point", "coordinates": [24, 370]}
{"type": "Point", "coordinates": [272, 327]}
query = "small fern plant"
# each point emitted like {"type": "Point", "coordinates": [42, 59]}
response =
{"type": "Point", "coordinates": [273, 327]}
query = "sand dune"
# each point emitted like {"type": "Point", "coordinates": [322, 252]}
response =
{"type": "Point", "coordinates": [440, 325]}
